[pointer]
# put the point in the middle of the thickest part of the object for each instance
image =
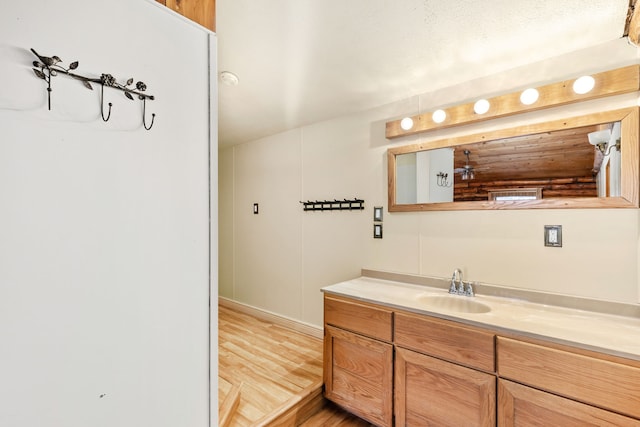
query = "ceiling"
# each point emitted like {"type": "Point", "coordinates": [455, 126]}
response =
{"type": "Point", "coordinates": [543, 156]}
{"type": "Point", "coordinates": [304, 61]}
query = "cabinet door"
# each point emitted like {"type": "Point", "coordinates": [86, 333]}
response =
{"type": "Point", "coordinates": [519, 405]}
{"type": "Point", "coordinates": [432, 392]}
{"type": "Point", "coordinates": [358, 373]}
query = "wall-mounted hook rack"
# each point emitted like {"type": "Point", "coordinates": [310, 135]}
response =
{"type": "Point", "coordinates": [442, 180]}
{"type": "Point", "coordinates": [334, 205]}
{"type": "Point", "coordinates": [50, 66]}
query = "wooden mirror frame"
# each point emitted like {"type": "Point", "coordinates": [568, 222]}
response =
{"type": "Point", "coordinates": [630, 170]}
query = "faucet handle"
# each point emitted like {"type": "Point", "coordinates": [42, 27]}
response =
{"type": "Point", "coordinates": [452, 288]}
{"type": "Point", "coordinates": [469, 290]}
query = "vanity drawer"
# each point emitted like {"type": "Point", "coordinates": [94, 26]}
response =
{"type": "Point", "coordinates": [599, 382]}
{"type": "Point", "coordinates": [446, 340]}
{"type": "Point", "coordinates": [365, 319]}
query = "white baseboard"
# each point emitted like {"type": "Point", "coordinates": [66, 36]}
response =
{"type": "Point", "coordinates": [295, 325]}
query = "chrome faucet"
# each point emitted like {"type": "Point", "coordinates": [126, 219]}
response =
{"type": "Point", "coordinates": [457, 285]}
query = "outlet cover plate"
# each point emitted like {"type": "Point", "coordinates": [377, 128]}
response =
{"type": "Point", "coordinates": [553, 235]}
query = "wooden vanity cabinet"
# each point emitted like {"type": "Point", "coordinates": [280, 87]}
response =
{"type": "Point", "coordinates": [447, 373]}
{"type": "Point", "coordinates": [358, 359]}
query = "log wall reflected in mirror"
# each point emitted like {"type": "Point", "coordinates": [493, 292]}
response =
{"type": "Point", "coordinates": [553, 160]}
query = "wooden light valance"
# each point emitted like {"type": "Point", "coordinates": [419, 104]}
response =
{"type": "Point", "coordinates": [608, 83]}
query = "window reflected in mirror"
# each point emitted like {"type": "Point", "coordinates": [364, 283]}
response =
{"type": "Point", "coordinates": [516, 194]}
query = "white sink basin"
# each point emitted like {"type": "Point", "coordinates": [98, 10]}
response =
{"type": "Point", "coordinates": [458, 304]}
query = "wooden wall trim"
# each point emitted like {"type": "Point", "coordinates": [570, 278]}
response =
{"type": "Point", "coordinates": [202, 12]}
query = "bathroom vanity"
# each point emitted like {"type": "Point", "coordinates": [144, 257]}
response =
{"type": "Point", "coordinates": [402, 354]}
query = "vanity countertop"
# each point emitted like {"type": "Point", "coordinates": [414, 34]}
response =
{"type": "Point", "coordinates": [607, 333]}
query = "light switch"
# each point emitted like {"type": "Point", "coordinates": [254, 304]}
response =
{"type": "Point", "coordinates": [255, 209]}
{"type": "Point", "coordinates": [553, 235]}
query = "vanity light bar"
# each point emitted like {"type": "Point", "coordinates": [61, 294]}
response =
{"type": "Point", "coordinates": [608, 83]}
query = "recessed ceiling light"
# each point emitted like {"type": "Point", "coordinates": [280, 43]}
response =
{"type": "Point", "coordinates": [584, 85]}
{"type": "Point", "coordinates": [529, 96]}
{"type": "Point", "coordinates": [406, 123]}
{"type": "Point", "coordinates": [439, 116]}
{"type": "Point", "coordinates": [481, 106]}
{"type": "Point", "coordinates": [228, 78]}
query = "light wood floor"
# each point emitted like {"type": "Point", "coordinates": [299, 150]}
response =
{"type": "Point", "coordinates": [332, 416]}
{"type": "Point", "coordinates": [275, 366]}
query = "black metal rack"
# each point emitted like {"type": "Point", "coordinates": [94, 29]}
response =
{"type": "Point", "coordinates": [47, 67]}
{"type": "Point", "coordinates": [334, 205]}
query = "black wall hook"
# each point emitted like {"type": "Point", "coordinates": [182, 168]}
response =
{"type": "Point", "coordinates": [144, 115]}
{"type": "Point", "coordinates": [102, 107]}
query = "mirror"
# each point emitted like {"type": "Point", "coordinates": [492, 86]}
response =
{"type": "Point", "coordinates": [563, 163]}
{"type": "Point", "coordinates": [569, 163]}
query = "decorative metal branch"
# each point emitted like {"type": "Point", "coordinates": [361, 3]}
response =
{"type": "Point", "coordinates": [47, 67]}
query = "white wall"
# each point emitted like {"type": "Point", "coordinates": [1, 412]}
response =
{"type": "Point", "coordinates": [423, 171]}
{"type": "Point", "coordinates": [407, 176]}
{"type": "Point", "coordinates": [438, 161]}
{"type": "Point", "coordinates": [104, 227]}
{"type": "Point", "coordinates": [346, 157]}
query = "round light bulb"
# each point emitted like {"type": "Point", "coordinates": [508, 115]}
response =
{"type": "Point", "coordinates": [439, 116]}
{"type": "Point", "coordinates": [406, 123]}
{"type": "Point", "coordinates": [584, 85]}
{"type": "Point", "coordinates": [481, 106]}
{"type": "Point", "coordinates": [529, 96]}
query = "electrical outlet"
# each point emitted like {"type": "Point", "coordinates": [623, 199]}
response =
{"type": "Point", "coordinates": [553, 235]}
